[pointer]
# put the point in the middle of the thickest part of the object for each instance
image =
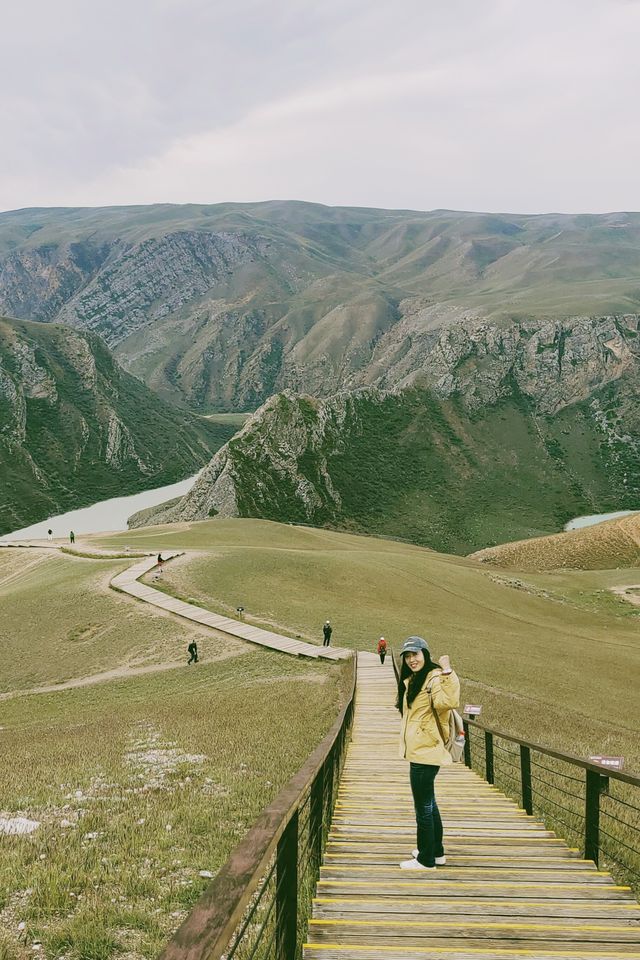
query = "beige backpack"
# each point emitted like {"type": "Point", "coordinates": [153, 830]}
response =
{"type": "Point", "coordinates": [453, 739]}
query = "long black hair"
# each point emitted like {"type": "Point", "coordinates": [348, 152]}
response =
{"type": "Point", "coordinates": [416, 681]}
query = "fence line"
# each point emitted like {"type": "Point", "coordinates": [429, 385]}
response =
{"type": "Point", "coordinates": [257, 906]}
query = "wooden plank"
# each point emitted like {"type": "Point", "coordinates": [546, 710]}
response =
{"type": "Point", "coordinates": [510, 887]}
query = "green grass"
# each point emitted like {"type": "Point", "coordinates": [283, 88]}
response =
{"type": "Point", "coordinates": [60, 621]}
{"type": "Point", "coordinates": [547, 659]}
{"type": "Point", "coordinates": [140, 784]}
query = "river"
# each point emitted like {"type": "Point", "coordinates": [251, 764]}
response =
{"type": "Point", "coordinates": [108, 516]}
{"type": "Point", "coordinates": [593, 518]}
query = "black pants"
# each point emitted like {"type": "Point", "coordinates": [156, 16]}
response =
{"type": "Point", "coordinates": [193, 658]}
{"type": "Point", "coordinates": [422, 777]}
{"type": "Point", "coordinates": [327, 641]}
{"type": "Point", "coordinates": [382, 656]}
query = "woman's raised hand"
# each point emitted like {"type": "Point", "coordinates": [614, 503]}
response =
{"type": "Point", "coordinates": [445, 663]}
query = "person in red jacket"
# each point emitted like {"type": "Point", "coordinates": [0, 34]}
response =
{"type": "Point", "coordinates": [382, 649]}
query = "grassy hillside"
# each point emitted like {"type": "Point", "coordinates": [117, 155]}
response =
{"type": "Point", "coordinates": [138, 782]}
{"type": "Point", "coordinates": [62, 622]}
{"type": "Point", "coordinates": [76, 428]}
{"type": "Point", "coordinates": [548, 659]}
{"type": "Point", "coordinates": [604, 546]}
{"type": "Point", "coordinates": [219, 306]}
{"type": "Point", "coordinates": [430, 470]}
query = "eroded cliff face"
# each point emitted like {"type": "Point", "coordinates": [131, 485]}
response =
{"type": "Point", "coordinates": [553, 362]}
{"type": "Point", "coordinates": [36, 283]}
{"type": "Point", "coordinates": [75, 427]}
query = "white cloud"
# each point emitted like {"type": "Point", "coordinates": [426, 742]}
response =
{"type": "Point", "coordinates": [503, 105]}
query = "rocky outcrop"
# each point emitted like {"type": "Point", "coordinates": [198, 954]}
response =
{"type": "Point", "coordinates": [552, 362]}
{"type": "Point", "coordinates": [155, 278]}
{"type": "Point", "coordinates": [37, 282]}
{"type": "Point", "coordinates": [283, 452]}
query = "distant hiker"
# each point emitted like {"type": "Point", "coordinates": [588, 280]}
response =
{"type": "Point", "coordinates": [49, 534]}
{"type": "Point", "coordinates": [327, 631]}
{"type": "Point", "coordinates": [72, 536]}
{"type": "Point", "coordinates": [193, 652]}
{"type": "Point", "coordinates": [382, 649]}
{"type": "Point", "coordinates": [427, 692]}
{"type": "Point", "coordinates": [160, 560]}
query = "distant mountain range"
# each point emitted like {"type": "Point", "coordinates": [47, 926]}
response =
{"type": "Point", "coordinates": [218, 307]}
{"type": "Point", "coordinates": [76, 428]}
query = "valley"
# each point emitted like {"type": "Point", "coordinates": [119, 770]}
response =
{"type": "Point", "coordinates": [382, 418]}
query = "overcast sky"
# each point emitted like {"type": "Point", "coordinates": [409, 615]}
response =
{"type": "Point", "coordinates": [500, 105]}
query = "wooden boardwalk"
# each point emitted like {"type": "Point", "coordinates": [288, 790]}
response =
{"type": "Point", "coordinates": [510, 889]}
{"type": "Point", "coordinates": [129, 582]}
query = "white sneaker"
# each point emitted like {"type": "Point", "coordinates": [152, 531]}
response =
{"type": "Point", "coordinates": [414, 865]}
{"type": "Point", "coordinates": [440, 861]}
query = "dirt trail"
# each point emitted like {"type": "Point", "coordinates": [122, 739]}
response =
{"type": "Point", "coordinates": [16, 575]}
{"type": "Point", "coordinates": [625, 593]}
{"type": "Point", "coordinates": [117, 673]}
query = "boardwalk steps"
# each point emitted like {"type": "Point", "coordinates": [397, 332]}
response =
{"type": "Point", "coordinates": [510, 889]}
{"type": "Point", "coordinates": [129, 582]}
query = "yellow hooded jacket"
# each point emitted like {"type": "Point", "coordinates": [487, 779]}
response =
{"type": "Point", "coordinates": [420, 740]}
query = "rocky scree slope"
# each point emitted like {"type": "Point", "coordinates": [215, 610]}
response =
{"type": "Point", "coordinates": [508, 434]}
{"type": "Point", "coordinates": [218, 307]}
{"type": "Point", "coordinates": [76, 428]}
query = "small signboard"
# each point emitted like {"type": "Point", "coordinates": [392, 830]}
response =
{"type": "Point", "coordinates": [472, 709]}
{"type": "Point", "coordinates": [613, 763]}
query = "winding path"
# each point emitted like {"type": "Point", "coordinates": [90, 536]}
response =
{"type": "Point", "coordinates": [129, 582]}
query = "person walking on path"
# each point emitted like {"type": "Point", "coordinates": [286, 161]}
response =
{"type": "Point", "coordinates": [72, 537]}
{"type": "Point", "coordinates": [327, 631]}
{"type": "Point", "coordinates": [49, 534]}
{"type": "Point", "coordinates": [382, 649]}
{"type": "Point", "coordinates": [427, 692]}
{"type": "Point", "coordinates": [193, 652]}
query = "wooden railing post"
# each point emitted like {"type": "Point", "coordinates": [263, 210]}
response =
{"type": "Point", "coordinates": [525, 777]}
{"type": "Point", "coordinates": [488, 756]}
{"type": "Point", "coordinates": [592, 816]}
{"type": "Point", "coordinates": [316, 815]}
{"type": "Point", "coordinates": [287, 892]}
{"type": "Point", "coordinates": [467, 744]}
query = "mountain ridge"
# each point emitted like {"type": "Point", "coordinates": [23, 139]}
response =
{"type": "Point", "coordinates": [216, 307]}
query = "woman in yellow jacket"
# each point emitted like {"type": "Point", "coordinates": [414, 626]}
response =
{"type": "Point", "coordinates": [426, 688]}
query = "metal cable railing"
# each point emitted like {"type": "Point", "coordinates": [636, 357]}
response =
{"type": "Point", "coordinates": [597, 808]}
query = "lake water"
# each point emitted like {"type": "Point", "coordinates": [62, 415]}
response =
{"type": "Point", "coordinates": [589, 521]}
{"type": "Point", "coordinates": [108, 516]}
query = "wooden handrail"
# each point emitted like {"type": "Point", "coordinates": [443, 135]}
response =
{"type": "Point", "coordinates": [207, 930]}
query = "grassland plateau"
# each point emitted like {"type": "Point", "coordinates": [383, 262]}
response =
{"type": "Point", "coordinates": [139, 780]}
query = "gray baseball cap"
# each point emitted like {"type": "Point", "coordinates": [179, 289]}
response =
{"type": "Point", "coordinates": [413, 645]}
